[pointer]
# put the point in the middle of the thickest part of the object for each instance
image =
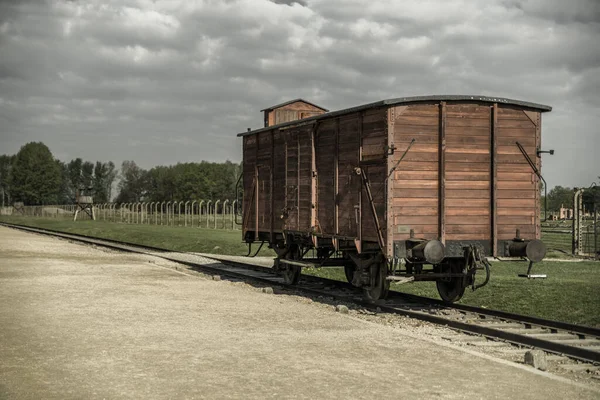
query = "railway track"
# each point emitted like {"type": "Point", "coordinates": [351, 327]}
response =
{"type": "Point", "coordinates": [561, 339]}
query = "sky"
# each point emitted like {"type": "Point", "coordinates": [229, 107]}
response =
{"type": "Point", "coordinates": [162, 82]}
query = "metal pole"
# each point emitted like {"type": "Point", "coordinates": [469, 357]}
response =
{"type": "Point", "coordinates": [200, 212]}
{"type": "Point", "coordinates": [215, 212]}
{"type": "Point", "coordinates": [192, 216]}
{"type": "Point", "coordinates": [224, 211]}
{"type": "Point", "coordinates": [595, 230]}
{"type": "Point", "coordinates": [233, 210]}
{"type": "Point", "coordinates": [208, 212]}
{"type": "Point", "coordinates": [179, 214]}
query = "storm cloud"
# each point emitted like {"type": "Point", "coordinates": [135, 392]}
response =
{"type": "Point", "coordinates": [161, 82]}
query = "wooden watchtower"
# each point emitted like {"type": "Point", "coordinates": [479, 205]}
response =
{"type": "Point", "coordinates": [84, 203]}
{"type": "Point", "coordinates": [18, 207]}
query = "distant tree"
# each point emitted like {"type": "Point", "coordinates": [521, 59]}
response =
{"type": "Point", "coordinates": [591, 199]}
{"type": "Point", "coordinates": [560, 196]}
{"type": "Point", "coordinates": [111, 175]}
{"type": "Point", "coordinates": [35, 177]}
{"type": "Point", "coordinates": [161, 184]}
{"type": "Point", "coordinates": [75, 177]}
{"type": "Point", "coordinates": [133, 184]}
{"type": "Point", "coordinates": [103, 179]}
{"type": "Point", "coordinates": [6, 163]}
{"type": "Point", "coordinates": [193, 181]}
{"type": "Point", "coordinates": [87, 175]}
{"type": "Point", "coordinates": [64, 191]}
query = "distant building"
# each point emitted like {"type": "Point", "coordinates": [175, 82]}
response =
{"type": "Point", "coordinates": [291, 111]}
{"type": "Point", "coordinates": [565, 213]}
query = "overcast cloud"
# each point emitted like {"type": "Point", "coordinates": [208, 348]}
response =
{"type": "Point", "coordinates": [161, 82]}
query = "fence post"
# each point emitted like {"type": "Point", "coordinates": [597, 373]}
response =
{"type": "Point", "coordinates": [233, 209]}
{"type": "Point", "coordinates": [224, 211]}
{"type": "Point", "coordinates": [577, 217]}
{"type": "Point", "coordinates": [185, 212]}
{"type": "Point", "coordinates": [167, 206]}
{"type": "Point", "coordinates": [179, 214]}
{"type": "Point", "coordinates": [215, 212]}
{"type": "Point", "coordinates": [208, 212]}
{"type": "Point", "coordinates": [192, 217]}
{"type": "Point", "coordinates": [200, 213]}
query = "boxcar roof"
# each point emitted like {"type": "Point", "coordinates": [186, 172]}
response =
{"type": "Point", "coordinates": [291, 102]}
{"type": "Point", "coordinates": [398, 101]}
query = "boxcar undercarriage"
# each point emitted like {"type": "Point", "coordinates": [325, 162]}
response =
{"type": "Point", "coordinates": [424, 260]}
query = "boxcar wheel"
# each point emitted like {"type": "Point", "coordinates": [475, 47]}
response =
{"type": "Point", "coordinates": [349, 272]}
{"type": "Point", "coordinates": [291, 273]}
{"type": "Point", "coordinates": [452, 289]}
{"type": "Point", "coordinates": [380, 287]}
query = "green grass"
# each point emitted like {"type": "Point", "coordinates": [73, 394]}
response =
{"type": "Point", "coordinates": [179, 238]}
{"type": "Point", "coordinates": [571, 292]}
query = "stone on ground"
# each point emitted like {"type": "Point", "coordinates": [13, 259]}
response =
{"type": "Point", "coordinates": [537, 359]}
{"type": "Point", "coordinates": [342, 309]}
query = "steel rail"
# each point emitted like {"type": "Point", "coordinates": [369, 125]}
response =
{"type": "Point", "coordinates": [407, 307]}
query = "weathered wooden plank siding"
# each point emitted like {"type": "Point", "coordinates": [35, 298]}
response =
{"type": "Point", "coordinates": [374, 137]}
{"type": "Point", "coordinates": [518, 194]}
{"type": "Point", "coordinates": [305, 164]}
{"type": "Point", "coordinates": [415, 182]}
{"type": "Point", "coordinates": [325, 149]}
{"type": "Point", "coordinates": [468, 173]}
{"type": "Point", "coordinates": [349, 183]}
{"type": "Point", "coordinates": [291, 183]}
{"type": "Point", "coordinates": [248, 209]}
{"type": "Point", "coordinates": [279, 180]}
{"type": "Point", "coordinates": [264, 156]}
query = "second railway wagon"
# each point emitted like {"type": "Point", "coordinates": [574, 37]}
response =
{"type": "Point", "coordinates": [408, 189]}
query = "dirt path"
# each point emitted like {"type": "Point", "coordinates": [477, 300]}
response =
{"type": "Point", "coordinates": [77, 322]}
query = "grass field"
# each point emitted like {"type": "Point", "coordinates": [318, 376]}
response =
{"type": "Point", "coordinates": [571, 293]}
{"type": "Point", "coordinates": [201, 240]}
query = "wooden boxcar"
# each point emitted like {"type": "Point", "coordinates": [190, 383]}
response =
{"type": "Point", "coordinates": [408, 189]}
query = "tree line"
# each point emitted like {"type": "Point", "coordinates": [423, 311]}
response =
{"type": "Point", "coordinates": [560, 196]}
{"type": "Point", "coordinates": [35, 177]}
{"type": "Point", "coordinates": [183, 181]}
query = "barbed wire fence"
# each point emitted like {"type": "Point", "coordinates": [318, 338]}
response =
{"type": "Point", "coordinates": [577, 233]}
{"type": "Point", "coordinates": [210, 214]}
